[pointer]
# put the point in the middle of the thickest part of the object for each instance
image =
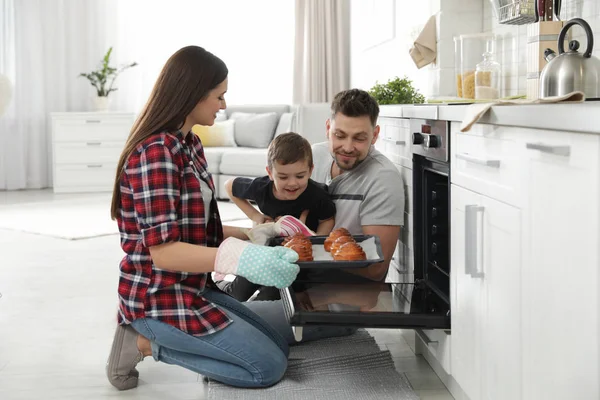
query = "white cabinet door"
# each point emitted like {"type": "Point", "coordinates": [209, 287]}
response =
{"type": "Point", "coordinates": [561, 241]}
{"type": "Point", "coordinates": [486, 296]}
{"type": "Point", "coordinates": [466, 306]}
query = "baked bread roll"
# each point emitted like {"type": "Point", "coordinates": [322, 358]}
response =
{"type": "Point", "coordinates": [350, 251]}
{"type": "Point", "coordinates": [337, 243]}
{"type": "Point", "coordinates": [301, 245]}
{"type": "Point", "coordinates": [336, 233]}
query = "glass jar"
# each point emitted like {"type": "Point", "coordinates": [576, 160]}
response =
{"type": "Point", "coordinates": [467, 53]}
{"type": "Point", "coordinates": [487, 78]}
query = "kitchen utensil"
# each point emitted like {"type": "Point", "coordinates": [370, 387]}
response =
{"type": "Point", "coordinates": [515, 12]}
{"type": "Point", "coordinates": [557, 6]}
{"type": "Point", "coordinates": [549, 10]}
{"type": "Point", "coordinates": [541, 7]}
{"type": "Point", "coordinates": [570, 71]}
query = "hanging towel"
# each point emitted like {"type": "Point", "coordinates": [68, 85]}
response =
{"type": "Point", "coordinates": [476, 111]}
{"type": "Point", "coordinates": [424, 51]}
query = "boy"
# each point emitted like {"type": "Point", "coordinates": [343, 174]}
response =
{"type": "Point", "coordinates": [286, 190]}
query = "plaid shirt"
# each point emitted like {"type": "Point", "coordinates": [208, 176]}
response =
{"type": "Point", "coordinates": [161, 201]}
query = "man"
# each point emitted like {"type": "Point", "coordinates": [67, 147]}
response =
{"type": "Point", "coordinates": [365, 185]}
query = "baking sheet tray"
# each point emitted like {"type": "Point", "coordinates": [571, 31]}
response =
{"type": "Point", "coordinates": [323, 259]}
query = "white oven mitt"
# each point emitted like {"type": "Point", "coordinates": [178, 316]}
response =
{"type": "Point", "coordinates": [263, 265]}
{"type": "Point", "coordinates": [285, 226]}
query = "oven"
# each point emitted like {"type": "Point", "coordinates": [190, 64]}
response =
{"type": "Point", "coordinates": [411, 297]}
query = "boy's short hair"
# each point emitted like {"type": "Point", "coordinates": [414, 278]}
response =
{"type": "Point", "coordinates": [289, 148]}
{"type": "Point", "coordinates": [355, 103]}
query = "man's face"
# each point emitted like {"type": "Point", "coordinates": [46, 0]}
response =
{"type": "Point", "coordinates": [350, 139]}
{"type": "Point", "coordinates": [289, 180]}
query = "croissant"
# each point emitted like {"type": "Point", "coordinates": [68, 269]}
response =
{"type": "Point", "coordinates": [350, 251]}
{"type": "Point", "coordinates": [336, 233]}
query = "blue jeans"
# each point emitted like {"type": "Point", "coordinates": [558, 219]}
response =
{"type": "Point", "coordinates": [250, 352]}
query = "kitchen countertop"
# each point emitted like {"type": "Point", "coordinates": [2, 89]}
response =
{"type": "Point", "coordinates": [570, 117]}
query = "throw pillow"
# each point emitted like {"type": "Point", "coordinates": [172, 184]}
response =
{"type": "Point", "coordinates": [221, 134]}
{"type": "Point", "coordinates": [254, 130]}
{"type": "Point", "coordinates": [286, 124]}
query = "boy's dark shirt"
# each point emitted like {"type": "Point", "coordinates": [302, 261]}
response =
{"type": "Point", "coordinates": [315, 199]}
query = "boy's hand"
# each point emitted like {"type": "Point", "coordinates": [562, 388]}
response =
{"type": "Point", "coordinates": [261, 219]}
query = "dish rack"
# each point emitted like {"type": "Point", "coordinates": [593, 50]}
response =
{"type": "Point", "coordinates": [514, 12]}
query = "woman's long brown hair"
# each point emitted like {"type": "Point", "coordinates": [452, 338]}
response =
{"type": "Point", "coordinates": [187, 78]}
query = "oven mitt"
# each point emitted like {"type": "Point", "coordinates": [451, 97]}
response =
{"type": "Point", "coordinates": [285, 226]}
{"type": "Point", "coordinates": [263, 265]}
{"type": "Point", "coordinates": [288, 226]}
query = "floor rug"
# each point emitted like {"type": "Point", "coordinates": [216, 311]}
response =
{"type": "Point", "coordinates": [79, 218]}
{"type": "Point", "coordinates": [344, 368]}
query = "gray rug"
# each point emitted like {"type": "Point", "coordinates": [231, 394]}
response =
{"type": "Point", "coordinates": [331, 369]}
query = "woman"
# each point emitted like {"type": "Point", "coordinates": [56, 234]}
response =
{"type": "Point", "coordinates": [164, 203]}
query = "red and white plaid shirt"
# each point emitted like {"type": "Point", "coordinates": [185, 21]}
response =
{"type": "Point", "coordinates": [161, 201]}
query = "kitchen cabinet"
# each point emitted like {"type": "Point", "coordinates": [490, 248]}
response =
{"type": "Point", "coordinates": [485, 290]}
{"type": "Point", "coordinates": [561, 265]}
{"type": "Point", "coordinates": [86, 148]}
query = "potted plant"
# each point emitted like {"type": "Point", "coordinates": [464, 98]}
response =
{"type": "Point", "coordinates": [103, 80]}
{"type": "Point", "coordinates": [396, 91]}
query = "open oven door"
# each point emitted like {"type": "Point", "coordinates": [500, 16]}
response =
{"type": "Point", "coordinates": [367, 304]}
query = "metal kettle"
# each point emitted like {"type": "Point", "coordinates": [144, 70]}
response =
{"type": "Point", "coordinates": [571, 70]}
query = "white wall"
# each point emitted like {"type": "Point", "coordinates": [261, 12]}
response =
{"type": "Point", "coordinates": [383, 31]}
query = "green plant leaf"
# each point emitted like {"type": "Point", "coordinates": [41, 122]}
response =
{"type": "Point", "coordinates": [100, 77]}
{"type": "Point", "coordinates": [396, 91]}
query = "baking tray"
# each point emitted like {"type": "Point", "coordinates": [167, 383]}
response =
{"type": "Point", "coordinates": [319, 240]}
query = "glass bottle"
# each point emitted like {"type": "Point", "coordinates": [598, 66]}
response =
{"type": "Point", "coordinates": [487, 78]}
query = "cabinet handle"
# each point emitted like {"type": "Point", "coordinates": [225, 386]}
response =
{"type": "Point", "coordinates": [472, 256]}
{"type": "Point", "coordinates": [481, 161]}
{"type": "Point", "coordinates": [93, 143]}
{"type": "Point", "coordinates": [398, 142]}
{"type": "Point", "coordinates": [424, 337]}
{"type": "Point", "coordinates": [92, 121]}
{"type": "Point", "coordinates": [564, 151]}
{"type": "Point", "coordinates": [94, 165]}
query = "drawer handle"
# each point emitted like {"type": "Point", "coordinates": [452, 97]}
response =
{"type": "Point", "coordinates": [473, 254]}
{"type": "Point", "coordinates": [398, 142]}
{"type": "Point", "coordinates": [481, 161]}
{"type": "Point", "coordinates": [556, 150]}
{"type": "Point", "coordinates": [424, 337]}
{"type": "Point", "coordinates": [94, 165]}
{"type": "Point", "coordinates": [92, 121]}
{"type": "Point", "coordinates": [93, 143]}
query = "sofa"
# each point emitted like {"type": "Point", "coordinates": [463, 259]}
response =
{"type": "Point", "coordinates": [236, 145]}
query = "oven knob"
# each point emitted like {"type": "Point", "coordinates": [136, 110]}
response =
{"type": "Point", "coordinates": [434, 230]}
{"type": "Point", "coordinates": [417, 138]}
{"type": "Point", "coordinates": [433, 212]}
{"type": "Point", "coordinates": [434, 248]}
{"type": "Point", "coordinates": [432, 141]}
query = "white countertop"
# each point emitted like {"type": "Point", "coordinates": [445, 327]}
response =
{"type": "Point", "coordinates": [573, 117]}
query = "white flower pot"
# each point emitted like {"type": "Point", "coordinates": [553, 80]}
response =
{"type": "Point", "coordinates": [101, 103]}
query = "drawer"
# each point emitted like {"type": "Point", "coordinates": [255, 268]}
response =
{"type": "Point", "coordinates": [395, 137]}
{"type": "Point", "coordinates": [489, 161]}
{"type": "Point", "coordinates": [84, 177]}
{"type": "Point", "coordinates": [574, 149]}
{"type": "Point", "coordinates": [91, 129]}
{"type": "Point", "coordinates": [87, 152]}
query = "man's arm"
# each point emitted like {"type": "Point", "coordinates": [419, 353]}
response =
{"type": "Point", "coordinates": [388, 235]}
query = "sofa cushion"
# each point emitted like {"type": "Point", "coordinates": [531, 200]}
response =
{"type": "Point", "coordinates": [243, 161]}
{"type": "Point", "coordinates": [220, 134]}
{"type": "Point", "coordinates": [254, 130]}
{"type": "Point", "coordinates": [310, 121]}
{"type": "Point", "coordinates": [213, 157]}
{"type": "Point", "coordinates": [258, 109]}
{"type": "Point", "coordinates": [285, 124]}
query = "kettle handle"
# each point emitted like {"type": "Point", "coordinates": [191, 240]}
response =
{"type": "Point", "coordinates": [588, 32]}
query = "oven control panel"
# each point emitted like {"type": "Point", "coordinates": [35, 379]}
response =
{"type": "Point", "coordinates": [430, 138]}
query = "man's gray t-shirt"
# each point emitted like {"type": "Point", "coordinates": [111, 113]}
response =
{"type": "Point", "coordinates": [370, 194]}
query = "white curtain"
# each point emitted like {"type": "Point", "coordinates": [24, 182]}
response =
{"type": "Point", "coordinates": [45, 44]}
{"type": "Point", "coordinates": [322, 50]}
